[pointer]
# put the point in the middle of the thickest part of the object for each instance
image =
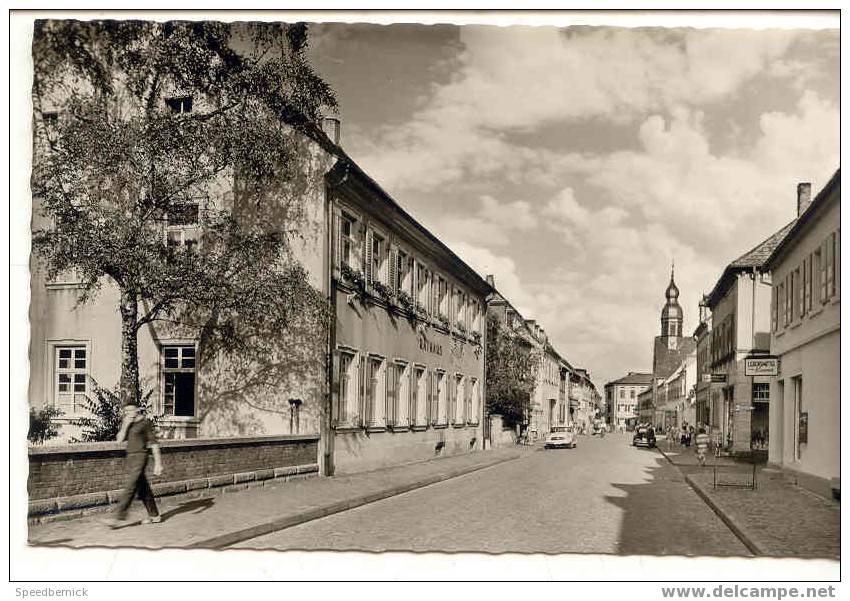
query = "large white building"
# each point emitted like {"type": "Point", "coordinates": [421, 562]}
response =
{"type": "Point", "coordinates": [621, 398]}
{"type": "Point", "coordinates": [805, 428]}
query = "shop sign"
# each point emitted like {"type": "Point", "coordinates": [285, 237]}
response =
{"type": "Point", "coordinates": [706, 377]}
{"type": "Point", "coordinates": [718, 378]}
{"type": "Point", "coordinates": [761, 366]}
{"type": "Point", "coordinates": [744, 407]}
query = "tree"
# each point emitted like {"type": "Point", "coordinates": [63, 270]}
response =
{"type": "Point", "coordinates": [158, 122]}
{"type": "Point", "coordinates": [511, 367]}
{"type": "Point", "coordinates": [42, 424]}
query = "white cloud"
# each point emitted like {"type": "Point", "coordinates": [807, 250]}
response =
{"type": "Point", "coordinates": [521, 79]}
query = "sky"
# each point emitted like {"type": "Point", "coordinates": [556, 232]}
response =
{"type": "Point", "coordinates": [575, 164]}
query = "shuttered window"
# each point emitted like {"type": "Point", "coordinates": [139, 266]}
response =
{"type": "Point", "coordinates": [830, 266]}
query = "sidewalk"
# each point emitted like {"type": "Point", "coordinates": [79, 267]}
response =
{"type": "Point", "coordinates": [222, 520]}
{"type": "Point", "coordinates": [778, 518]}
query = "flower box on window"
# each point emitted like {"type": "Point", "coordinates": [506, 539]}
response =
{"type": "Point", "coordinates": [353, 277]}
{"type": "Point", "coordinates": [443, 321]}
{"type": "Point", "coordinates": [405, 301]}
{"type": "Point", "coordinates": [476, 337]}
{"type": "Point", "coordinates": [382, 290]}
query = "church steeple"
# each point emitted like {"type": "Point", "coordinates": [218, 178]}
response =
{"type": "Point", "coordinates": [671, 314]}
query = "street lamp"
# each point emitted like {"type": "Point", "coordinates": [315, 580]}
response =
{"type": "Point", "coordinates": [295, 415]}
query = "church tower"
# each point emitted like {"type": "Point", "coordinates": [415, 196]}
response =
{"type": "Point", "coordinates": [671, 314]}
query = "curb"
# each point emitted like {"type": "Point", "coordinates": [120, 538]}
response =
{"type": "Point", "coordinates": [736, 528]}
{"type": "Point", "coordinates": [275, 524]}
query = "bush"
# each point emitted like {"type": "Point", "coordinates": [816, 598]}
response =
{"type": "Point", "coordinates": [107, 412]}
{"type": "Point", "coordinates": [42, 427]}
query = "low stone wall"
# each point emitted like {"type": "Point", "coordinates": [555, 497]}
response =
{"type": "Point", "coordinates": [74, 477]}
{"type": "Point", "coordinates": [500, 435]}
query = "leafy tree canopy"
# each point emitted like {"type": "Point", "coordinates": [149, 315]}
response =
{"type": "Point", "coordinates": [116, 163]}
{"type": "Point", "coordinates": [511, 366]}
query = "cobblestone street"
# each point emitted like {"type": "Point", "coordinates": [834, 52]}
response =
{"type": "Point", "coordinates": [603, 497]}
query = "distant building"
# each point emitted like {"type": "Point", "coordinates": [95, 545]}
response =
{"type": "Point", "coordinates": [702, 335]}
{"type": "Point", "coordinates": [621, 398]}
{"type": "Point", "coordinates": [805, 419]}
{"type": "Point", "coordinates": [669, 351]}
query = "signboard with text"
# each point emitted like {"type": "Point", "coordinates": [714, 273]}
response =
{"type": "Point", "coordinates": [761, 366]}
{"type": "Point", "coordinates": [718, 378]}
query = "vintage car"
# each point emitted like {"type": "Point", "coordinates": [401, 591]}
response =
{"type": "Point", "coordinates": [560, 436]}
{"type": "Point", "coordinates": [644, 435]}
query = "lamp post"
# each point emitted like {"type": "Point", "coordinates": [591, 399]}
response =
{"type": "Point", "coordinates": [294, 415]}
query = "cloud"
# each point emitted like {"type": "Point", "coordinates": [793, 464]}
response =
{"type": "Point", "coordinates": [523, 79]}
{"type": "Point", "coordinates": [491, 224]}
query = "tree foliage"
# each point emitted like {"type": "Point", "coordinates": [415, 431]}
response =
{"type": "Point", "coordinates": [106, 414]}
{"type": "Point", "coordinates": [42, 424]}
{"type": "Point", "coordinates": [118, 163]}
{"type": "Point", "coordinates": [511, 365]}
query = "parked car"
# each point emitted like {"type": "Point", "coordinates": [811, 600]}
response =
{"type": "Point", "coordinates": [561, 436]}
{"type": "Point", "coordinates": [644, 435]}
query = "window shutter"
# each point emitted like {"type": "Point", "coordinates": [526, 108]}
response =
{"type": "Point", "coordinates": [822, 272]}
{"type": "Point", "coordinates": [838, 262]}
{"type": "Point", "coordinates": [337, 239]}
{"type": "Point", "coordinates": [801, 293]}
{"type": "Point", "coordinates": [335, 387]}
{"type": "Point", "coordinates": [414, 279]}
{"type": "Point", "coordinates": [393, 269]}
{"type": "Point", "coordinates": [367, 257]}
{"type": "Point", "coordinates": [807, 265]}
{"type": "Point", "coordinates": [364, 392]}
{"type": "Point", "coordinates": [412, 415]}
{"type": "Point", "coordinates": [773, 308]}
{"type": "Point", "coordinates": [392, 389]}
{"type": "Point", "coordinates": [430, 405]}
{"type": "Point", "coordinates": [830, 266]}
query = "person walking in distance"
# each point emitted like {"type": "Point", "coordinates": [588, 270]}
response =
{"type": "Point", "coordinates": [139, 433]}
{"type": "Point", "coordinates": [702, 446]}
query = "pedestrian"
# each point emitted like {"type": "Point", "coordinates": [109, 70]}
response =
{"type": "Point", "coordinates": [683, 434]}
{"type": "Point", "coordinates": [139, 433]}
{"type": "Point", "coordinates": [702, 446]}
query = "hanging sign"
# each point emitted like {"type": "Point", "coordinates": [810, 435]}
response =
{"type": "Point", "coordinates": [761, 366]}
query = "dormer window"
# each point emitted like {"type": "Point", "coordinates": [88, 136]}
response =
{"type": "Point", "coordinates": [179, 104]}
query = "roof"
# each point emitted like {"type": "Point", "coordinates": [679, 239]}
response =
{"type": "Point", "coordinates": [633, 378]}
{"type": "Point", "coordinates": [346, 165]}
{"type": "Point", "coordinates": [819, 201]}
{"type": "Point", "coordinates": [752, 259]}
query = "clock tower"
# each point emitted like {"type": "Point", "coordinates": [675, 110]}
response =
{"type": "Point", "coordinates": [671, 315]}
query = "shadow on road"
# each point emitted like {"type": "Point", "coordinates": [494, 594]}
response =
{"type": "Point", "coordinates": [664, 516]}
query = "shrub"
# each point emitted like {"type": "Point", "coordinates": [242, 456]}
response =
{"type": "Point", "coordinates": [106, 415]}
{"type": "Point", "coordinates": [42, 427]}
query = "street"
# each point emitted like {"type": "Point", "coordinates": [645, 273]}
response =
{"type": "Point", "coordinates": [603, 497]}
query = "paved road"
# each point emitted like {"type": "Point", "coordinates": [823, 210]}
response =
{"type": "Point", "coordinates": [603, 497]}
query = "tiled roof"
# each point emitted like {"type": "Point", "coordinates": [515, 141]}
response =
{"type": "Point", "coordinates": [757, 256]}
{"type": "Point", "coordinates": [633, 378]}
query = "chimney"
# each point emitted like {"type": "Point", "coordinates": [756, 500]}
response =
{"type": "Point", "coordinates": [543, 338]}
{"type": "Point", "coordinates": [491, 280]}
{"type": "Point", "coordinates": [330, 125]}
{"type": "Point", "coordinates": [804, 197]}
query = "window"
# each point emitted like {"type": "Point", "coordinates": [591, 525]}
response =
{"type": "Point", "coordinates": [70, 378]}
{"type": "Point", "coordinates": [441, 394]}
{"type": "Point", "coordinates": [348, 240]}
{"type": "Point", "coordinates": [622, 393]}
{"type": "Point", "coordinates": [761, 392]}
{"type": "Point", "coordinates": [419, 414]}
{"type": "Point", "coordinates": [377, 258]}
{"type": "Point", "coordinates": [473, 401]}
{"type": "Point", "coordinates": [423, 287]}
{"type": "Point", "coordinates": [182, 226]}
{"type": "Point", "coordinates": [807, 266]}
{"type": "Point", "coordinates": [442, 296]}
{"type": "Point", "coordinates": [459, 400]}
{"type": "Point", "coordinates": [401, 272]}
{"type": "Point", "coordinates": [829, 244]}
{"type": "Point", "coordinates": [398, 394]}
{"type": "Point", "coordinates": [375, 392]}
{"type": "Point", "coordinates": [345, 388]}
{"type": "Point", "coordinates": [632, 393]}
{"type": "Point", "coordinates": [178, 370]}
{"type": "Point", "coordinates": [179, 104]}
{"type": "Point", "coordinates": [801, 430]}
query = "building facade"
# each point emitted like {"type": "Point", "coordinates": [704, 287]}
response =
{"type": "Point", "coordinates": [397, 377]}
{"type": "Point", "coordinates": [740, 315]}
{"type": "Point", "coordinates": [408, 342]}
{"type": "Point", "coordinates": [621, 399]}
{"type": "Point", "coordinates": [805, 397]}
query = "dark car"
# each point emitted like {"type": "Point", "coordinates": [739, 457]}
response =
{"type": "Point", "coordinates": [644, 435]}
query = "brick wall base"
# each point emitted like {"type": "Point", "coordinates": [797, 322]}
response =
{"type": "Point", "coordinates": [72, 480]}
